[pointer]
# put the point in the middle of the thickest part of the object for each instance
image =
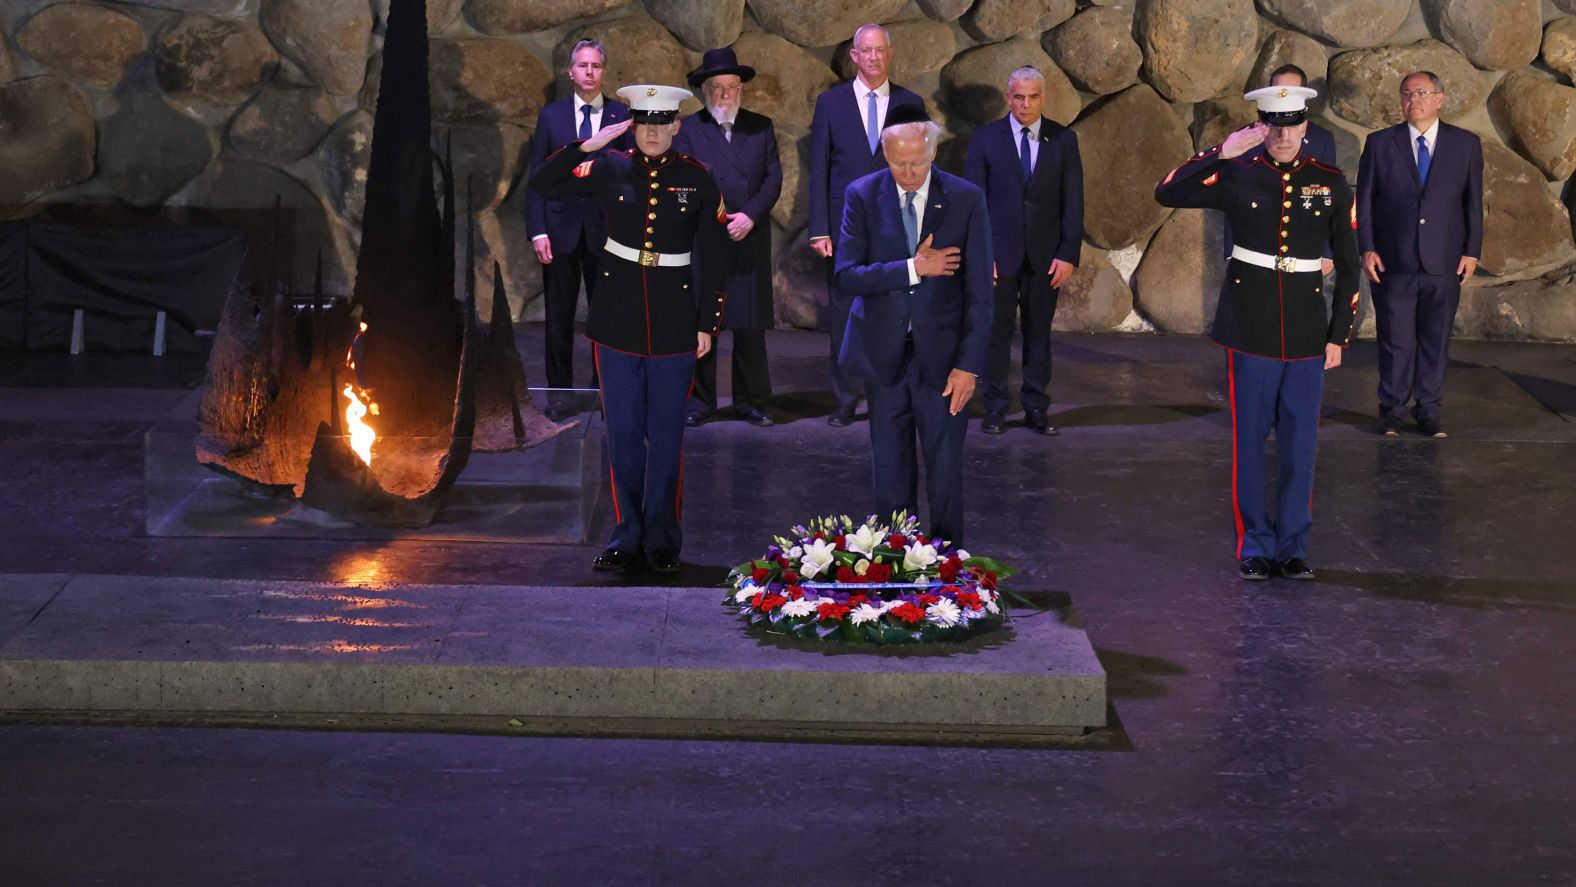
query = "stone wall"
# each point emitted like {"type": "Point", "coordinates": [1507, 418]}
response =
{"type": "Point", "coordinates": [205, 110]}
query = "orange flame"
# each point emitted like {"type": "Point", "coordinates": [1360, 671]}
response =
{"type": "Point", "coordinates": [361, 434]}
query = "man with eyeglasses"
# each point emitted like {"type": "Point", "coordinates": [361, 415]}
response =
{"type": "Point", "coordinates": [1420, 229]}
{"type": "Point", "coordinates": [740, 146]}
{"type": "Point", "coordinates": [1284, 208]}
{"type": "Point", "coordinates": [845, 144]}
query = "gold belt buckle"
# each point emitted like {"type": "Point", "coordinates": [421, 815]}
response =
{"type": "Point", "coordinates": [1285, 263]}
{"type": "Point", "coordinates": [648, 259]}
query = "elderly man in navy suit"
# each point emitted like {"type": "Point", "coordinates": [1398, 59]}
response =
{"type": "Point", "coordinates": [914, 253]}
{"type": "Point", "coordinates": [567, 233]}
{"type": "Point", "coordinates": [1420, 229]}
{"type": "Point", "coordinates": [845, 144]}
{"type": "Point", "coordinates": [740, 146]}
{"type": "Point", "coordinates": [1032, 176]}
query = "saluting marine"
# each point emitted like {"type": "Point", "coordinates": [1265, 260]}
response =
{"type": "Point", "coordinates": [1284, 209]}
{"type": "Point", "coordinates": [659, 303]}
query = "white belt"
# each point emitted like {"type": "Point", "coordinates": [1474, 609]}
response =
{"type": "Point", "coordinates": [1279, 263]}
{"type": "Point", "coordinates": [646, 257]}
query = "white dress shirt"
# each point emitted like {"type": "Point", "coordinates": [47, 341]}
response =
{"type": "Point", "coordinates": [861, 99]}
{"type": "Point", "coordinates": [596, 113]}
{"type": "Point", "coordinates": [1430, 137]}
{"type": "Point", "coordinates": [1034, 139]}
{"type": "Point", "coordinates": [920, 196]}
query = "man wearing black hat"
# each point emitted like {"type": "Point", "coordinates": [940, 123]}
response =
{"type": "Point", "coordinates": [1284, 208]}
{"type": "Point", "coordinates": [741, 148]}
{"type": "Point", "coordinates": [657, 309]}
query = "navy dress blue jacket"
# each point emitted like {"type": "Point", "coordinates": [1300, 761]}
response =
{"type": "Point", "coordinates": [751, 178]}
{"type": "Point", "coordinates": [1417, 229]}
{"type": "Point", "coordinates": [950, 316]}
{"type": "Point", "coordinates": [1043, 219]}
{"type": "Point", "coordinates": [564, 219]}
{"type": "Point", "coordinates": [840, 151]}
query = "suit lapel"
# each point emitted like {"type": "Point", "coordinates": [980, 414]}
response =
{"type": "Point", "coordinates": [935, 206]}
{"type": "Point", "coordinates": [1403, 138]}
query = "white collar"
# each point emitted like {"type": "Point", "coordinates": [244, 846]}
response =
{"type": "Point", "coordinates": [596, 103]}
{"type": "Point", "coordinates": [1429, 135]}
{"type": "Point", "coordinates": [861, 90]}
{"type": "Point", "coordinates": [921, 194]}
{"type": "Point", "coordinates": [1017, 128]}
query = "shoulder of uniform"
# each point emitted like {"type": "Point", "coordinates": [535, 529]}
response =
{"type": "Point", "coordinates": [1327, 167]}
{"type": "Point", "coordinates": [693, 161]}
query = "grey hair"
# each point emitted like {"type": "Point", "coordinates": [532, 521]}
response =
{"type": "Point", "coordinates": [1433, 79]}
{"type": "Point", "coordinates": [929, 130]}
{"type": "Point", "coordinates": [1027, 72]}
{"type": "Point", "coordinates": [868, 26]}
{"type": "Point", "coordinates": [588, 43]}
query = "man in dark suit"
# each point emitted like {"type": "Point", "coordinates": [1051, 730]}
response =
{"type": "Point", "coordinates": [1420, 229]}
{"type": "Point", "coordinates": [741, 148]}
{"type": "Point", "coordinates": [1030, 171]}
{"type": "Point", "coordinates": [844, 145]}
{"type": "Point", "coordinates": [914, 253]}
{"type": "Point", "coordinates": [567, 233]}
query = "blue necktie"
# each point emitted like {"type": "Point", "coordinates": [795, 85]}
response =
{"type": "Point", "coordinates": [910, 222]}
{"type": "Point", "coordinates": [1023, 154]}
{"type": "Point", "coordinates": [1423, 160]}
{"type": "Point", "coordinates": [872, 125]}
{"type": "Point", "coordinates": [585, 122]}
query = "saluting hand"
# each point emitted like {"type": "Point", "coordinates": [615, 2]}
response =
{"type": "Point", "coordinates": [1243, 140]}
{"type": "Point", "coordinates": [932, 262]}
{"type": "Point", "coordinates": [605, 136]}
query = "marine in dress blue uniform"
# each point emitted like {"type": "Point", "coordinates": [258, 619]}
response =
{"type": "Point", "coordinates": [1283, 209]}
{"type": "Point", "coordinates": [659, 304]}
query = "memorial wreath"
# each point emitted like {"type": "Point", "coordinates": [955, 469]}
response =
{"type": "Point", "coordinates": [868, 583]}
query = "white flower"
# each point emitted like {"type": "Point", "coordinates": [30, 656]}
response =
{"type": "Point", "coordinates": [817, 557]}
{"type": "Point", "coordinates": [865, 613]}
{"type": "Point", "coordinates": [864, 541]}
{"type": "Point", "coordinates": [794, 553]}
{"type": "Point", "coordinates": [743, 595]}
{"type": "Point", "coordinates": [862, 567]}
{"type": "Point", "coordinates": [989, 598]}
{"type": "Point", "coordinates": [944, 613]}
{"type": "Point", "coordinates": [801, 607]}
{"type": "Point", "coordinates": [962, 555]}
{"type": "Point", "coordinates": [918, 557]}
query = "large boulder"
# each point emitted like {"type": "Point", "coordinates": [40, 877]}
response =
{"type": "Point", "coordinates": [974, 84]}
{"type": "Point", "coordinates": [944, 10]}
{"type": "Point", "coordinates": [507, 17]}
{"type": "Point", "coordinates": [1538, 116]}
{"type": "Point", "coordinates": [1353, 23]}
{"type": "Point", "coordinates": [1559, 47]}
{"type": "Point", "coordinates": [1289, 48]}
{"type": "Point", "coordinates": [798, 282]}
{"type": "Point", "coordinates": [821, 22]}
{"type": "Point", "coordinates": [994, 20]}
{"type": "Point", "coordinates": [1192, 48]}
{"type": "Point", "coordinates": [7, 61]}
{"type": "Point", "coordinates": [919, 46]}
{"type": "Point", "coordinates": [1217, 118]}
{"type": "Point", "coordinates": [638, 51]}
{"type": "Point", "coordinates": [342, 161]}
{"type": "Point", "coordinates": [1539, 310]}
{"type": "Point", "coordinates": [481, 80]}
{"type": "Point", "coordinates": [1494, 34]}
{"type": "Point", "coordinates": [787, 78]}
{"type": "Point", "coordinates": [149, 150]}
{"type": "Point", "coordinates": [1128, 143]}
{"type": "Point", "coordinates": [49, 139]}
{"type": "Point", "coordinates": [1365, 85]}
{"type": "Point", "coordinates": [700, 26]}
{"type": "Point", "coordinates": [1096, 50]}
{"type": "Point", "coordinates": [1525, 228]}
{"type": "Point", "coordinates": [89, 42]}
{"type": "Point", "coordinates": [281, 124]}
{"type": "Point", "coordinates": [488, 161]}
{"type": "Point", "coordinates": [216, 60]}
{"type": "Point", "coordinates": [1177, 284]}
{"type": "Point", "coordinates": [1095, 299]}
{"type": "Point", "coordinates": [793, 152]}
{"type": "Point", "coordinates": [328, 39]}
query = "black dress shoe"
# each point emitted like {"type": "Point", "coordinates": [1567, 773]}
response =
{"type": "Point", "coordinates": [1254, 569]}
{"type": "Point", "coordinates": [841, 418]}
{"type": "Point", "coordinates": [612, 559]}
{"type": "Point", "coordinates": [1390, 426]}
{"type": "Point", "coordinates": [695, 418]}
{"type": "Point", "coordinates": [994, 424]}
{"type": "Point", "coordinates": [1035, 419]}
{"type": "Point", "coordinates": [754, 415]}
{"type": "Point", "coordinates": [664, 560]}
{"type": "Point", "coordinates": [1294, 568]}
{"type": "Point", "coordinates": [1431, 428]}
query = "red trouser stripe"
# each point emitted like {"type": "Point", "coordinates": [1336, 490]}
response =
{"type": "Point", "coordinates": [612, 480]}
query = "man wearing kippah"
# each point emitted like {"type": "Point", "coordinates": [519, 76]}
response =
{"type": "Point", "coordinates": [658, 306]}
{"type": "Point", "coordinates": [1283, 209]}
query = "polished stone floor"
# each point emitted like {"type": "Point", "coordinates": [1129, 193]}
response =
{"type": "Point", "coordinates": [1407, 719]}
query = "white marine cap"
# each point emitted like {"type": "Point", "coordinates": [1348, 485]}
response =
{"type": "Point", "coordinates": [652, 103]}
{"type": "Point", "coordinates": [1282, 105]}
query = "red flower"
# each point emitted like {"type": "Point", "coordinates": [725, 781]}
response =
{"type": "Point", "coordinates": [970, 600]}
{"type": "Point", "coordinates": [989, 580]}
{"type": "Point", "coordinates": [795, 592]}
{"type": "Point", "coordinates": [759, 574]}
{"type": "Point", "coordinates": [768, 602]}
{"type": "Point", "coordinates": [908, 612]}
{"type": "Point", "coordinates": [847, 574]}
{"type": "Point", "coordinates": [832, 611]}
{"type": "Point", "coordinates": [879, 573]}
{"type": "Point", "coordinates": [783, 562]}
{"type": "Point", "coordinates": [920, 538]}
{"type": "Point", "coordinates": [896, 540]}
{"type": "Point", "coordinates": [928, 599]}
{"type": "Point", "coordinates": [790, 577]}
{"type": "Point", "coordinates": [949, 568]}
{"type": "Point", "coordinates": [855, 600]}
{"type": "Point", "coordinates": [840, 543]}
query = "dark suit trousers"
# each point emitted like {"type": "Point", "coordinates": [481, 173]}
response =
{"type": "Point", "coordinates": [1031, 295]}
{"type": "Point", "coordinates": [846, 388]}
{"type": "Point", "coordinates": [1414, 314]}
{"type": "Point", "coordinates": [907, 419]}
{"type": "Point", "coordinates": [561, 284]}
{"type": "Point", "coordinates": [752, 378]}
{"type": "Point", "coordinates": [643, 402]}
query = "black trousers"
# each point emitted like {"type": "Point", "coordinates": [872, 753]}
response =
{"type": "Point", "coordinates": [752, 378]}
{"type": "Point", "coordinates": [846, 388]}
{"type": "Point", "coordinates": [561, 280]}
{"type": "Point", "coordinates": [1414, 314]}
{"type": "Point", "coordinates": [1029, 294]}
{"type": "Point", "coordinates": [907, 420]}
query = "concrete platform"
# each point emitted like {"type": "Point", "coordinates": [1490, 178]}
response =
{"type": "Point", "coordinates": [658, 661]}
